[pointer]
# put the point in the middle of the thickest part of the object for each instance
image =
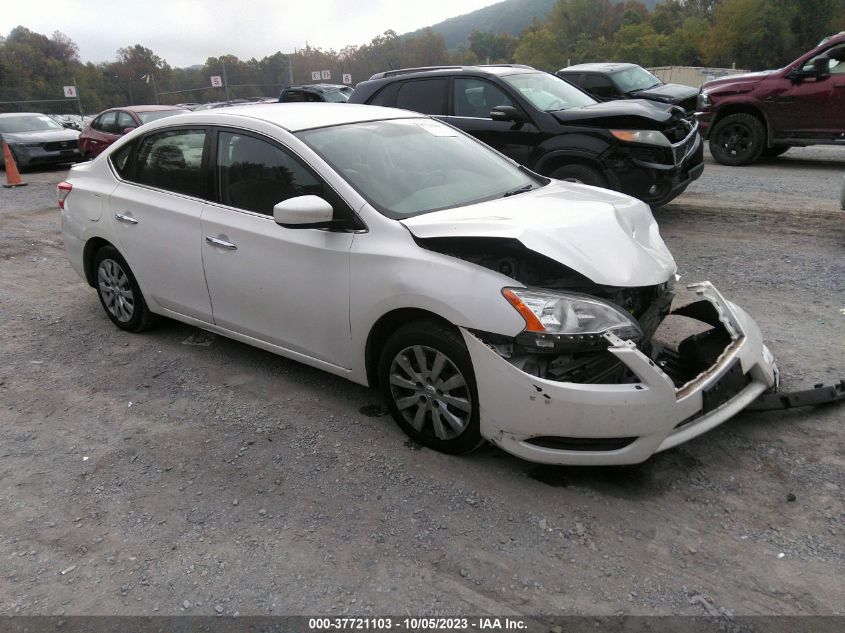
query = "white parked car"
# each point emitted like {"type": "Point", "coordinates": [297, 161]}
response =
{"type": "Point", "coordinates": [485, 301]}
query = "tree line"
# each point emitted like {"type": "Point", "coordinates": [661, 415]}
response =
{"type": "Point", "coordinates": [750, 34]}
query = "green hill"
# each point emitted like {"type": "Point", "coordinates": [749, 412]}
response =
{"type": "Point", "coordinates": [510, 16]}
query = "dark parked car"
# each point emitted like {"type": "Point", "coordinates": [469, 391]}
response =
{"type": "Point", "coordinates": [333, 93]}
{"type": "Point", "coordinates": [609, 81]}
{"type": "Point", "coordinates": [36, 139]}
{"type": "Point", "coordinates": [111, 124]}
{"type": "Point", "coordinates": [637, 147]}
{"type": "Point", "coordinates": [766, 113]}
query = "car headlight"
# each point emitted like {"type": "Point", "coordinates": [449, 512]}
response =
{"type": "Point", "coordinates": [703, 101]}
{"type": "Point", "coordinates": [569, 317]}
{"type": "Point", "coordinates": [26, 144]}
{"type": "Point", "coordinates": [649, 137]}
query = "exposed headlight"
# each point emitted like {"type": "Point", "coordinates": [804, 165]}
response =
{"type": "Point", "coordinates": [570, 316]}
{"type": "Point", "coordinates": [649, 137]}
{"type": "Point", "coordinates": [703, 101]}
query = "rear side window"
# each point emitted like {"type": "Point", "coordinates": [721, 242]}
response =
{"type": "Point", "coordinates": [172, 161]}
{"type": "Point", "coordinates": [255, 175]}
{"type": "Point", "coordinates": [427, 96]}
{"type": "Point", "coordinates": [120, 160]}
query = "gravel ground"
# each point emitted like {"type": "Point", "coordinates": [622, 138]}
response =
{"type": "Point", "coordinates": [177, 472]}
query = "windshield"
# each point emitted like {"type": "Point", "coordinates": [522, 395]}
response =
{"type": "Point", "coordinates": [547, 92]}
{"type": "Point", "coordinates": [28, 123]}
{"type": "Point", "coordinates": [335, 96]}
{"type": "Point", "coordinates": [635, 78]}
{"type": "Point", "coordinates": [146, 117]}
{"type": "Point", "coordinates": [407, 167]}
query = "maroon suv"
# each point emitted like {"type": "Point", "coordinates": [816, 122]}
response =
{"type": "Point", "coordinates": [764, 114]}
{"type": "Point", "coordinates": [111, 124]}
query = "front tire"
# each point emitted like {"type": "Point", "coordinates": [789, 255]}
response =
{"type": "Point", "coordinates": [581, 174]}
{"type": "Point", "coordinates": [426, 377]}
{"type": "Point", "coordinates": [119, 292]}
{"type": "Point", "coordinates": [737, 139]}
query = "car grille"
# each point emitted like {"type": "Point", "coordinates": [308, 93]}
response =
{"type": "Point", "coordinates": [57, 146]}
{"type": "Point", "coordinates": [682, 149]}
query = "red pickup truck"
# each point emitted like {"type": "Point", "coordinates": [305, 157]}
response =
{"type": "Point", "coordinates": [764, 114]}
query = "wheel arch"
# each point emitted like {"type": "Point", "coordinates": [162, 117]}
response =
{"type": "Point", "coordinates": [386, 325]}
{"type": "Point", "coordinates": [552, 162]}
{"type": "Point", "coordinates": [92, 247]}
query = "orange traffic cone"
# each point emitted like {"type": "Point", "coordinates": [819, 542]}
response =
{"type": "Point", "coordinates": [13, 177]}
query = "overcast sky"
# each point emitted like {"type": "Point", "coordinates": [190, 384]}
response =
{"type": "Point", "coordinates": [185, 32]}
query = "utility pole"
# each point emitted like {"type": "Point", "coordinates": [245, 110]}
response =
{"type": "Point", "coordinates": [155, 88]}
{"type": "Point", "coordinates": [225, 81]}
{"type": "Point", "coordinates": [290, 68]}
{"type": "Point", "coordinates": [78, 100]}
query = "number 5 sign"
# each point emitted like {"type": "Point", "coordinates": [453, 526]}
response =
{"type": "Point", "coordinates": [216, 81]}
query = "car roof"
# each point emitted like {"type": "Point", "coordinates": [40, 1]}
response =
{"type": "Point", "coordinates": [147, 108]}
{"type": "Point", "coordinates": [317, 87]}
{"type": "Point", "coordinates": [600, 67]}
{"type": "Point", "coordinates": [6, 115]}
{"type": "Point", "coordinates": [488, 69]}
{"type": "Point", "coordinates": [293, 117]}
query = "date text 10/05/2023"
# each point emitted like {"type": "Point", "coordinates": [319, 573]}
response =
{"type": "Point", "coordinates": [416, 624]}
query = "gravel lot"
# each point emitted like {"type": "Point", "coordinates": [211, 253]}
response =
{"type": "Point", "coordinates": [177, 472]}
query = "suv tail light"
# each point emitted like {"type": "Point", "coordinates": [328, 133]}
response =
{"type": "Point", "coordinates": [62, 191]}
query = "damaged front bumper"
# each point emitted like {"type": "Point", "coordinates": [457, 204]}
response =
{"type": "Point", "coordinates": [554, 422]}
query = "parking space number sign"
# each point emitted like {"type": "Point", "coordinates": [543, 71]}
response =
{"type": "Point", "coordinates": [70, 91]}
{"type": "Point", "coordinates": [216, 81]}
{"type": "Point", "coordinates": [347, 78]}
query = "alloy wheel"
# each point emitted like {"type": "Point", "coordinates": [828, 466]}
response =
{"type": "Point", "coordinates": [737, 139]}
{"type": "Point", "coordinates": [430, 392]}
{"type": "Point", "coordinates": [116, 290]}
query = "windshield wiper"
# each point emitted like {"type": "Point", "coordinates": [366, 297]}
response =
{"type": "Point", "coordinates": [522, 189]}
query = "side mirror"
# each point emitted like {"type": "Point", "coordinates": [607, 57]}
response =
{"type": "Point", "coordinates": [507, 113]}
{"type": "Point", "coordinates": [304, 212]}
{"type": "Point", "coordinates": [821, 67]}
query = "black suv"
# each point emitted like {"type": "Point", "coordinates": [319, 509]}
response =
{"type": "Point", "coordinates": [333, 93]}
{"type": "Point", "coordinates": [637, 147]}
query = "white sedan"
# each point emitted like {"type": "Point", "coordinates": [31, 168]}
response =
{"type": "Point", "coordinates": [484, 301]}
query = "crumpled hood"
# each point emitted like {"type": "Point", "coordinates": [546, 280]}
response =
{"type": "Point", "coordinates": [608, 237]}
{"type": "Point", "coordinates": [748, 79]}
{"type": "Point", "coordinates": [671, 93]}
{"type": "Point", "coordinates": [632, 113]}
{"type": "Point", "coordinates": [41, 136]}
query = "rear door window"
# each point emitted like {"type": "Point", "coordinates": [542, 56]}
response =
{"type": "Point", "coordinates": [427, 96]}
{"type": "Point", "coordinates": [106, 123]}
{"type": "Point", "coordinates": [599, 86]}
{"type": "Point", "coordinates": [124, 120]}
{"type": "Point", "coordinates": [173, 161]}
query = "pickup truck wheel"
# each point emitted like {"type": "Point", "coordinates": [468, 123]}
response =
{"type": "Point", "coordinates": [777, 150]}
{"type": "Point", "coordinates": [737, 139]}
{"type": "Point", "coordinates": [582, 174]}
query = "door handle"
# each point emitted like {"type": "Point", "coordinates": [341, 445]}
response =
{"type": "Point", "coordinates": [222, 243]}
{"type": "Point", "coordinates": [125, 218]}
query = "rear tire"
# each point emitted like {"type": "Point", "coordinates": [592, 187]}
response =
{"type": "Point", "coordinates": [119, 292]}
{"type": "Point", "coordinates": [425, 374]}
{"type": "Point", "coordinates": [738, 139]}
{"type": "Point", "coordinates": [581, 174]}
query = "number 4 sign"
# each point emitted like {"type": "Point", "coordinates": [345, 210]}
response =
{"type": "Point", "coordinates": [70, 91]}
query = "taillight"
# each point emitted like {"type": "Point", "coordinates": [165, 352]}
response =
{"type": "Point", "coordinates": [62, 191]}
